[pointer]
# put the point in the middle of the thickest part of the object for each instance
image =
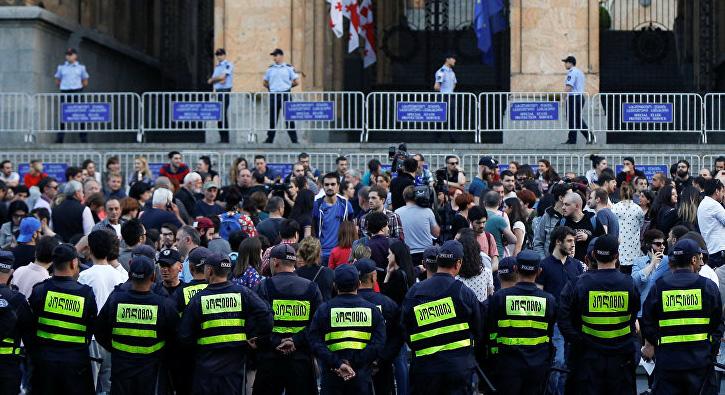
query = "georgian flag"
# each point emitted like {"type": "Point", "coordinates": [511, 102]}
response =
{"type": "Point", "coordinates": [336, 17]}
{"type": "Point", "coordinates": [352, 12]}
{"type": "Point", "coordinates": [367, 29]}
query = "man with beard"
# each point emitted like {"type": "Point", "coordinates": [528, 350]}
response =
{"type": "Point", "coordinates": [682, 176]}
{"type": "Point", "coordinates": [487, 167]}
{"type": "Point", "coordinates": [328, 212]}
{"type": "Point", "coordinates": [189, 191]}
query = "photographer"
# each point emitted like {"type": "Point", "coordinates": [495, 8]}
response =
{"type": "Point", "coordinates": [452, 174]}
{"type": "Point", "coordinates": [405, 178]}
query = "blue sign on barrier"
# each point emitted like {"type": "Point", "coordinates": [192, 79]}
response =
{"type": "Point", "coordinates": [535, 111]}
{"type": "Point", "coordinates": [196, 111]}
{"type": "Point", "coordinates": [648, 170]}
{"type": "Point", "coordinates": [155, 169]}
{"type": "Point", "coordinates": [421, 111]}
{"type": "Point", "coordinates": [55, 170]}
{"type": "Point", "coordinates": [309, 111]}
{"type": "Point", "coordinates": [281, 169]}
{"type": "Point", "coordinates": [647, 112]}
{"type": "Point", "coordinates": [85, 112]}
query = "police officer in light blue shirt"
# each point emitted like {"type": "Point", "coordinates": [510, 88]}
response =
{"type": "Point", "coordinates": [70, 77]}
{"type": "Point", "coordinates": [574, 86]}
{"type": "Point", "coordinates": [222, 79]}
{"type": "Point", "coordinates": [445, 76]}
{"type": "Point", "coordinates": [279, 79]}
{"type": "Point", "coordinates": [445, 82]}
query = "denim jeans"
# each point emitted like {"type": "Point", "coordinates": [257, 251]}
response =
{"type": "Point", "coordinates": [557, 380]}
{"type": "Point", "coordinates": [400, 365]}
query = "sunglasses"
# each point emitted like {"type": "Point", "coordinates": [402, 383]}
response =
{"type": "Point", "coordinates": [658, 243]}
{"type": "Point", "coordinates": [452, 163]}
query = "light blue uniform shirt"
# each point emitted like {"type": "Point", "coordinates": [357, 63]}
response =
{"type": "Point", "coordinates": [447, 78]}
{"type": "Point", "coordinates": [71, 75]}
{"type": "Point", "coordinates": [222, 68]}
{"type": "Point", "coordinates": [280, 77]}
{"type": "Point", "coordinates": [575, 79]}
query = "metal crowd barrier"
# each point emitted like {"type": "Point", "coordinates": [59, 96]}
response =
{"type": "Point", "coordinates": [201, 111]}
{"type": "Point", "coordinates": [322, 161]}
{"type": "Point", "coordinates": [54, 163]}
{"type": "Point", "coordinates": [87, 112]}
{"type": "Point", "coordinates": [648, 112]}
{"type": "Point", "coordinates": [562, 163]}
{"type": "Point", "coordinates": [15, 112]}
{"type": "Point", "coordinates": [714, 113]}
{"type": "Point", "coordinates": [310, 111]}
{"type": "Point", "coordinates": [649, 163]}
{"type": "Point", "coordinates": [708, 161]}
{"type": "Point", "coordinates": [156, 159]}
{"type": "Point", "coordinates": [359, 161]}
{"type": "Point", "coordinates": [532, 111]}
{"type": "Point", "coordinates": [421, 112]}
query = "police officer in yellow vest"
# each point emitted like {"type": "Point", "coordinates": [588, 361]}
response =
{"type": "Point", "coordinates": [682, 323]}
{"type": "Point", "coordinates": [137, 325]}
{"type": "Point", "coordinates": [520, 321]}
{"type": "Point", "coordinates": [224, 321]}
{"type": "Point", "coordinates": [347, 335]}
{"type": "Point", "coordinates": [18, 319]}
{"type": "Point", "coordinates": [182, 356]}
{"type": "Point", "coordinates": [597, 315]}
{"type": "Point", "coordinates": [443, 320]}
{"type": "Point", "coordinates": [285, 360]}
{"type": "Point", "coordinates": [64, 317]}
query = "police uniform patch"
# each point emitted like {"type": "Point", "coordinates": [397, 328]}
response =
{"type": "Point", "coordinates": [166, 252]}
{"type": "Point", "coordinates": [3, 303]}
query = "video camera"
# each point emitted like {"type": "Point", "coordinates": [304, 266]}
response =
{"type": "Point", "coordinates": [397, 156]}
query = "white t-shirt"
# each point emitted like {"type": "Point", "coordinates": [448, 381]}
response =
{"type": "Point", "coordinates": [707, 272]}
{"type": "Point", "coordinates": [102, 278]}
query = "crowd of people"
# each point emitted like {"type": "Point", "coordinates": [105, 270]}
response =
{"type": "Point", "coordinates": [360, 280]}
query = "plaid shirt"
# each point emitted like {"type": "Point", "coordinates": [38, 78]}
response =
{"type": "Point", "coordinates": [394, 225]}
{"type": "Point", "coordinates": [265, 257]}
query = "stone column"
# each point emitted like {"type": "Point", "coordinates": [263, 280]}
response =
{"type": "Point", "coordinates": [545, 31]}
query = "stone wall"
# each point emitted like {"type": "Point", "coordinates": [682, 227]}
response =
{"type": "Point", "coordinates": [545, 31]}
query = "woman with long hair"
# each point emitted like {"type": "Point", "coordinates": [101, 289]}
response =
{"type": "Point", "coordinates": [688, 202]}
{"type": "Point", "coordinates": [346, 235]}
{"type": "Point", "coordinates": [308, 266]}
{"type": "Point", "coordinates": [141, 171]}
{"type": "Point", "coordinates": [237, 165]}
{"type": "Point", "coordinates": [249, 262]}
{"type": "Point", "coordinates": [302, 208]}
{"type": "Point", "coordinates": [599, 163]}
{"type": "Point", "coordinates": [518, 217]}
{"type": "Point", "coordinates": [546, 174]}
{"type": "Point", "coordinates": [399, 274]}
{"type": "Point", "coordinates": [664, 209]}
{"type": "Point", "coordinates": [631, 219]}
{"type": "Point", "coordinates": [474, 273]}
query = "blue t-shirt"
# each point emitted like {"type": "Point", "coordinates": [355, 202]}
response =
{"type": "Point", "coordinates": [477, 186]}
{"type": "Point", "coordinates": [554, 275]}
{"type": "Point", "coordinates": [328, 219]}
{"type": "Point", "coordinates": [607, 218]}
{"type": "Point", "coordinates": [207, 210]}
{"type": "Point", "coordinates": [495, 225]}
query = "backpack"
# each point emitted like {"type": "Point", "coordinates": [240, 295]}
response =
{"type": "Point", "coordinates": [229, 223]}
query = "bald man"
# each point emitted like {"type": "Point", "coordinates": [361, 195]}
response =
{"type": "Point", "coordinates": [585, 224]}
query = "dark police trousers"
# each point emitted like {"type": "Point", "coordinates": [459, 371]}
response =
{"type": "Point", "coordinates": [10, 376]}
{"type": "Point", "coordinates": [684, 382]}
{"type": "Point", "coordinates": [68, 99]}
{"type": "Point", "coordinates": [450, 383]}
{"type": "Point", "coordinates": [511, 381]}
{"type": "Point", "coordinates": [223, 125]}
{"type": "Point", "coordinates": [294, 376]}
{"type": "Point", "coordinates": [276, 104]}
{"type": "Point", "coordinates": [601, 373]}
{"type": "Point", "coordinates": [51, 378]}
{"type": "Point", "coordinates": [574, 105]}
{"type": "Point", "coordinates": [361, 384]}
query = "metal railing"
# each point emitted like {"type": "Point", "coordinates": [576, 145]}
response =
{"type": "Point", "coordinates": [714, 113]}
{"type": "Point", "coordinates": [322, 161]}
{"type": "Point", "coordinates": [55, 163]}
{"type": "Point", "coordinates": [562, 163]}
{"type": "Point", "coordinates": [156, 159]}
{"type": "Point", "coordinates": [663, 161]}
{"type": "Point", "coordinates": [15, 112]}
{"type": "Point", "coordinates": [421, 112]}
{"type": "Point", "coordinates": [648, 112]}
{"type": "Point", "coordinates": [532, 111]}
{"type": "Point", "coordinates": [708, 161]}
{"type": "Point", "coordinates": [309, 111]}
{"type": "Point", "coordinates": [86, 112]}
{"type": "Point", "coordinates": [434, 161]}
{"type": "Point", "coordinates": [202, 111]}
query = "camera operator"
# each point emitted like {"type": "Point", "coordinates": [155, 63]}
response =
{"type": "Point", "coordinates": [286, 190]}
{"type": "Point", "coordinates": [453, 175]}
{"type": "Point", "coordinates": [406, 177]}
{"type": "Point", "coordinates": [445, 212]}
{"type": "Point", "coordinates": [298, 170]}
{"type": "Point", "coordinates": [419, 222]}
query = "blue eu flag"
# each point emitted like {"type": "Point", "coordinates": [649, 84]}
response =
{"type": "Point", "coordinates": [488, 19]}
